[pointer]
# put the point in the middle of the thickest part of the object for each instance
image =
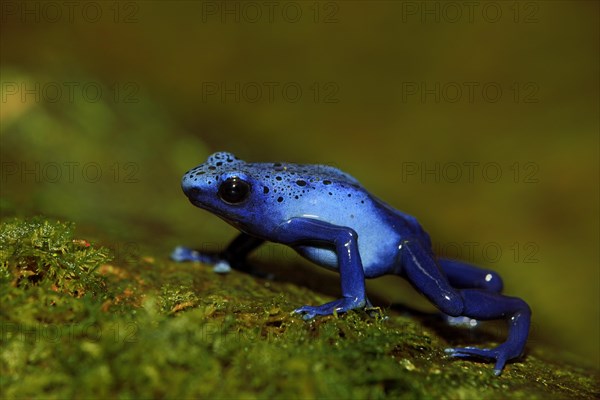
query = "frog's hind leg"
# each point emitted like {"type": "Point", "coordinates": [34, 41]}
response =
{"type": "Point", "coordinates": [465, 276]}
{"type": "Point", "coordinates": [484, 305]}
{"type": "Point", "coordinates": [423, 272]}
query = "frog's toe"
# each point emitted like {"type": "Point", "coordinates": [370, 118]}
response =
{"type": "Point", "coordinates": [326, 309]}
{"type": "Point", "coordinates": [498, 354]}
{"type": "Point", "coordinates": [309, 312]}
{"type": "Point", "coordinates": [222, 267]}
{"type": "Point", "coordinates": [336, 306]}
{"type": "Point", "coordinates": [180, 254]}
{"type": "Point", "coordinates": [469, 352]}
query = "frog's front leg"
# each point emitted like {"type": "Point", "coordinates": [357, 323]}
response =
{"type": "Point", "coordinates": [234, 256]}
{"type": "Point", "coordinates": [423, 272]}
{"type": "Point", "coordinates": [343, 240]}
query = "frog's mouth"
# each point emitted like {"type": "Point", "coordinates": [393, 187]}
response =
{"type": "Point", "coordinates": [228, 217]}
{"type": "Point", "coordinates": [198, 204]}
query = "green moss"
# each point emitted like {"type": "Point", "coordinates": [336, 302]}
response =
{"type": "Point", "coordinates": [41, 253]}
{"type": "Point", "coordinates": [74, 325]}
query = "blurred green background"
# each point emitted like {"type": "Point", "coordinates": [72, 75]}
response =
{"type": "Point", "coordinates": [481, 119]}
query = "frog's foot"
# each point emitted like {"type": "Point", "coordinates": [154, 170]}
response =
{"type": "Point", "coordinates": [181, 254]}
{"type": "Point", "coordinates": [500, 354]}
{"type": "Point", "coordinates": [220, 264]}
{"type": "Point", "coordinates": [336, 306]}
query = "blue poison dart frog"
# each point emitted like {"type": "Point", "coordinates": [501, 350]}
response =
{"type": "Point", "coordinates": [329, 218]}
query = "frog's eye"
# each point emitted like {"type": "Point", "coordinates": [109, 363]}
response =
{"type": "Point", "coordinates": [234, 190]}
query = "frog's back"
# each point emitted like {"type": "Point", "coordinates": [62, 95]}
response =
{"type": "Point", "coordinates": [328, 194]}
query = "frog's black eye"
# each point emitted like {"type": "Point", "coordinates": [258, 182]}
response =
{"type": "Point", "coordinates": [234, 190]}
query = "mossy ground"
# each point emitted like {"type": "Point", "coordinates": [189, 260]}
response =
{"type": "Point", "coordinates": [75, 324]}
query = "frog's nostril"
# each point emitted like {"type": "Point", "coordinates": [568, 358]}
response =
{"type": "Point", "coordinates": [192, 192]}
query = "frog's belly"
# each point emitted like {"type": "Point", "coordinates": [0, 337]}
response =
{"type": "Point", "coordinates": [376, 261]}
{"type": "Point", "coordinates": [378, 229]}
{"type": "Point", "coordinates": [320, 256]}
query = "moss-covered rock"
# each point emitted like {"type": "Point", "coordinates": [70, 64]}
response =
{"type": "Point", "coordinates": [74, 325]}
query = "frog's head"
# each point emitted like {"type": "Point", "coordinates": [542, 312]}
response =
{"type": "Point", "coordinates": [222, 186]}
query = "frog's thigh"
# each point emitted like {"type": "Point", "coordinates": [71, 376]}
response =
{"type": "Point", "coordinates": [425, 275]}
{"type": "Point", "coordinates": [465, 276]}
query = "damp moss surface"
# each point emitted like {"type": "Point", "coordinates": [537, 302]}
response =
{"type": "Point", "coordinates": [75, 323]}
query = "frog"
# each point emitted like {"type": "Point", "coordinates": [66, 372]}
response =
{"type": "Point", "coordinates": [329, 218]}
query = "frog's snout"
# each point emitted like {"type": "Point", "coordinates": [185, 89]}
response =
{"type": "Point", "coordinates": [190, 189]}
{"type": "Point", "coordinates": [192, 193]}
